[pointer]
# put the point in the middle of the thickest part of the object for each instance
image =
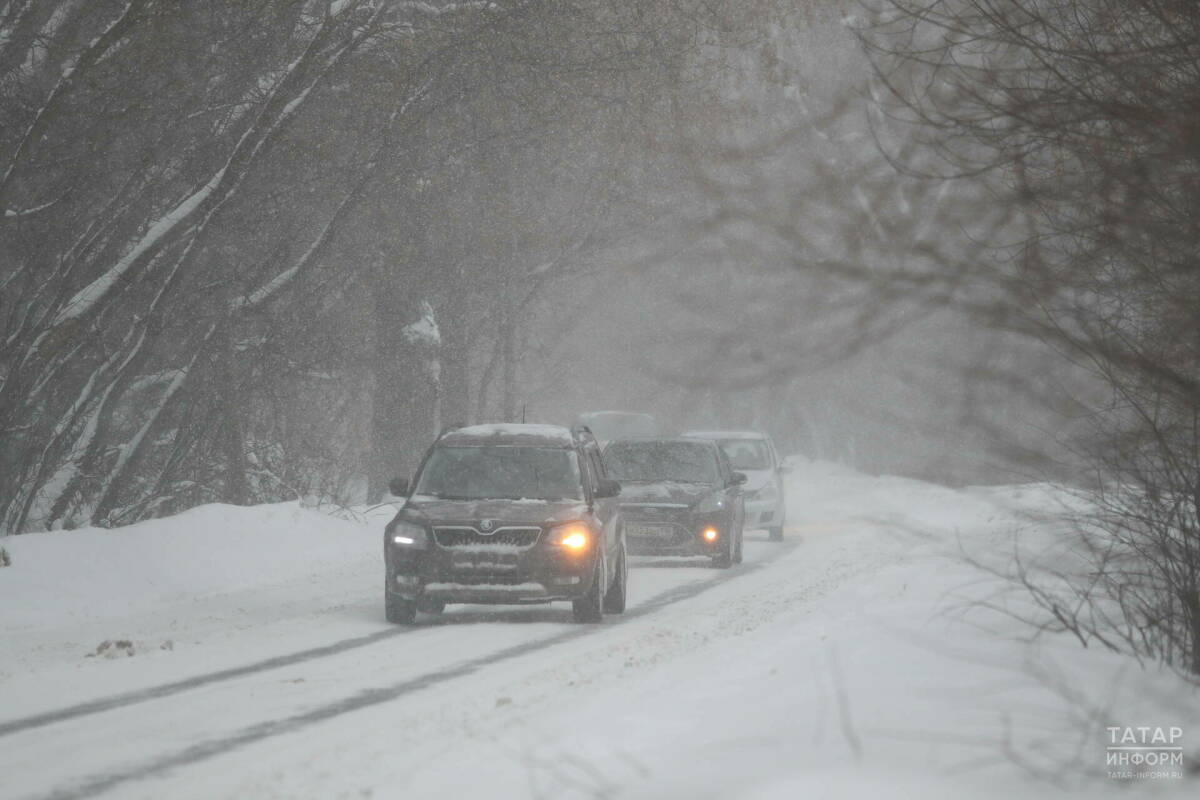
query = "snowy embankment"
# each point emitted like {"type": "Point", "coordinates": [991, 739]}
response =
{"type": "Point", "coordinates": [851, 661]}
{"type": "Point", "coordinates": [200, 585]}
{"type": "Point", "coordinates": [94, 574]}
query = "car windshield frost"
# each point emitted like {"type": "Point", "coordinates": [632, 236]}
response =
{"type": "Point", "coordinates": [661, 461]}
{"type": "Point", "coordinates": [501, 472]}
{"type": "Point", "coordinates": [747, 453]}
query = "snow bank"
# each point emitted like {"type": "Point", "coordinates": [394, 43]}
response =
{"type": "Point", "coordinates": [853, 661]}
{"type": "Point", "coordinates": [73, 576]}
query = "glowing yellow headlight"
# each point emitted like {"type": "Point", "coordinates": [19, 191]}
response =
{"type": "Point", "coordinates": [576, 540]}
{"type": "Point", "coordinates": [710, 534]}
{"type": "Point", "coordinates": [575, 536]}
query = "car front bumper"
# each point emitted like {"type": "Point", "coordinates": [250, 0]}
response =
{"type": "Point", "coordinates": [660, 533]}
{"type": "Point", "coordinates": [763, 513]}
{"type": "Point", "coordinates": [537, 574]}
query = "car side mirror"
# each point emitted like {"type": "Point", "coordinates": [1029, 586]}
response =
{"type": "Point", "coordinates": [398, 487]}
{"type": "Point", "coordinates": [606, 487]}
{"type": "Point", "coordinates": [737, 479]}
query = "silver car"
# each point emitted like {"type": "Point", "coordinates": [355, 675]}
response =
{"type": "Point", "coordinates": [754, 454]}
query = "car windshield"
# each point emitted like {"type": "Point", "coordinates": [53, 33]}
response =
{"type": "Point", "coordinates": [616, 425]}
{"type": "Point", "coordinates": [661, 461]}
{"type": "Point", "coordinates": [499, 472]}
{"type": "Point", "coordinates": [747, 453]}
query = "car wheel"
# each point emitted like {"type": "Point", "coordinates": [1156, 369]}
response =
{"type": "Point", "coordinates": [724, 559]}
{"type": "Point", "coordinates": [590, 607]}
{"type": "Point", "coordinates": [430, 606]}
{"type": "Point", "coordinates": [775, 534]}
{"type": "Point", "coordinates": [399, 611]}
{"type": "Point", "coordinates": [614, 598]}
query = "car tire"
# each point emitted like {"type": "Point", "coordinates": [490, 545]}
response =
{"type": "Point", "coordinates": [614, 598]}
{"type": "Point", "coordinates": [724, 559]}
{"type": "Point", "coordinates": [399, 610]}
{"type": "Point", "coordinates": [429, 606]}
{"type": "Point", "coordinates": [590, 607]}
{"type": "Point", "coordinates": [775, 534]}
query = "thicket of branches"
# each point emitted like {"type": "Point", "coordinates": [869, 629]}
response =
{"type": "Point", "coordinates": [1015, 197]}
{"type": "Point", "coordinates": [1081, 120]}
{"type": "Point", "coordinates": [255, 250]}
{"type": "Point", "coordinates": [1086, 115]}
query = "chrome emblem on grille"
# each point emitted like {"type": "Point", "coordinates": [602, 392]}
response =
{"type": "Point", "coordinates": [485, 525]}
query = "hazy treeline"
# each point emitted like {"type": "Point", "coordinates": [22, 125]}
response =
{"type": "Point", "coordinates": [1016, 198]}
{"type": "Point", "coordinates": [256, 250]}
{"type": "Point", "coordinates": [1080, 119]}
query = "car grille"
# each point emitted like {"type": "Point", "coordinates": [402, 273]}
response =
{"type": "Point", "coordinates": [660, 533]}
{"type": "Point", "coordinates": [661, 524]}
{"type": "Point", "coordinates": [490, 579]}
{"type": "Point", "coordinates": [464, 537]}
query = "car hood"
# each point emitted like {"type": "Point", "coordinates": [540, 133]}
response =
{"type": "Point", "coordinates": [501, 512]}
{"type": "Point", "coordinates": [663, 492]}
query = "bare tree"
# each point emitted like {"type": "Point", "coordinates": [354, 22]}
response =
{"type": "Point", "coordinates": [1031, 178]}
{"type": "Point", "coordinates": [230, 236]}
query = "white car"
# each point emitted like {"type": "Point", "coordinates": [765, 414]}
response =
{"type": "Point", "coordinates": [754, 454]}
{"type": "Point", "coordinates": [609, 425]}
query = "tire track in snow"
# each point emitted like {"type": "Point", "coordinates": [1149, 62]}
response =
{"type": "Point", "coordinates": [96, 784]}
{"type": "Point", "coordinates": [175, 687]}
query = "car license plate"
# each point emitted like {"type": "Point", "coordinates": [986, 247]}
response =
{"type": "Point", "coordinates": [483, 562]}
{"type": "Point", "coordinates": [656, 531]}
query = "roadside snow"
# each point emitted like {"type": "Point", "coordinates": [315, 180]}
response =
{"type": "Point", "coordinates": [93, 574]}
{"type": "Point", "coordinates": [852, 661]}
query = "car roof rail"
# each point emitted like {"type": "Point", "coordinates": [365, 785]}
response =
{"type": "Point", "coordinates": [448, 428]}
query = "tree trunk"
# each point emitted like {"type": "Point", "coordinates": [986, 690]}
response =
{"type": "Point", "coordinates": [405, 394]}
{"type": "Point", "coordinates": [508, 335]}
{"type": "Point", "coordinates": [232, 437]}
{"type": "Point", "coordinates": [455, 352]}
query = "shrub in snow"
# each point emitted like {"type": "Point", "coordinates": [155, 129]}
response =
{"type": "Point", "coordinates": [5, 560]}
{"type": "Point", "coordinates": [110, 649]}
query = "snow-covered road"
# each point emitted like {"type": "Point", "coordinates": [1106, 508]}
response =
{"type": "Point", "coordinates": [196, 718]}
{"type": "Point", "coordinates": [822, 664]}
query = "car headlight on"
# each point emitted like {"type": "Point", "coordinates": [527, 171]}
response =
{"type": "Point", "coordinates": [406, 534]}
{"type": "Point", "coordinates": [711, 503]}
{"type": "Point", "coordinates": [574, 536]}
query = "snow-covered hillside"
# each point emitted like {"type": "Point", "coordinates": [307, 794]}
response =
{"type": "Point", "coordinates": [848, 661]}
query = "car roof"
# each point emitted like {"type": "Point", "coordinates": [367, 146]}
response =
{"type": "Point", "coordinates": [724, 435]}
{"type": "Point", "coordinates": [510, 434]}
{"type": "Point", "coordinates": [658, 440]}
{"type": "Point", "coordinates": [595, 414]}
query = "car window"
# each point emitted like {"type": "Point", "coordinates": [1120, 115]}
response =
{"type": "Point", "coordinates": [726, 469]}
{"type": "Point", "coordinates": [597, 465]}
{"type": "Point", "coordinates": [618, 425]}
{"type": "Point", "coordinates": [747, 453]}
{"type": "Point", "coordinates": [648, 461]}
{"type": "Point", "coordinates": [473, 473]}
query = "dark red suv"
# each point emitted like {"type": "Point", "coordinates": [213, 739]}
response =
{"type": "Point", "coordinates": [507, 514]}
